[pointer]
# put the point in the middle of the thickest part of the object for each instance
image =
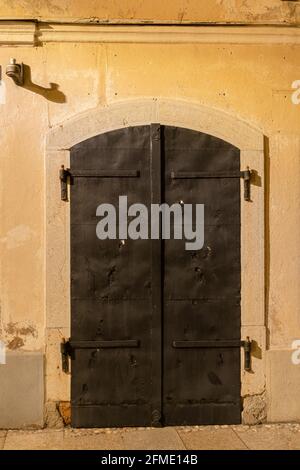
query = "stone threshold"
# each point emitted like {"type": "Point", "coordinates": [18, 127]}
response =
{"type": "Point", "coordinates": [261, 437]}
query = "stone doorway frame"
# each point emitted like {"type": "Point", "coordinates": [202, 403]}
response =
{"type": "Point", "coordinates": [172, 112]}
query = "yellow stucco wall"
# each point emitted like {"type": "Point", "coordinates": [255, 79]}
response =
{"type": "Point", "coordinates": [252, 82]}
{"type": "Point", "coordinates": [151, 11]}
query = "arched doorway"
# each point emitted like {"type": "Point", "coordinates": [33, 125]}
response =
{"type": "Point", "coordinates": [141, 112]}
{"type": "Point", "coordinates": [155, 328]}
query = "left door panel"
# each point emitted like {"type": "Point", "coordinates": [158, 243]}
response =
{"type": "Point", "coordinates": [111, 305]}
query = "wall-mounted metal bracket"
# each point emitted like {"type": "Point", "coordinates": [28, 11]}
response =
{"type": "Point", "coordinates": [16, 72]}
{"type": "Point", "coordinates": [63, 176]}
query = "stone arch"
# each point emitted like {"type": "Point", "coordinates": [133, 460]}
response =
{"type": "Point", "coordinates": [166, 111]}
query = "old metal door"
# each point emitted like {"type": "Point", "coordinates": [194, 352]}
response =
{"type": "Point", "coordinates": [155, 329]}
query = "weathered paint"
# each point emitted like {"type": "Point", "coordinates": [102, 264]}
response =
{"type": "Point", "coordinates": [154, 11]}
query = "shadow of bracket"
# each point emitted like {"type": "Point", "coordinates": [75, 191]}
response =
{"type": "Point", "coordinates": [51, 93]}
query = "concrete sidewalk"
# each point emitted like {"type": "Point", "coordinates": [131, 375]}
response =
{"type": "Point", "coordinates": [275, 436]}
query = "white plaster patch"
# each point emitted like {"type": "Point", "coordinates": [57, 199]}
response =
{"type": "Point", "coordinates": [17, 236]}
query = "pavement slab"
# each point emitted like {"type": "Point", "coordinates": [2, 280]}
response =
{"type": "Point", "coordinates": [34, 440]}
{"type": "Point", "coordinates": [153, 439]}
{"type": "Point", "coordinates": [270, 437]}
{"type": "Point", "coordinates": [93, 439]}
{"type": "Point", "coordinates": [211, 438]}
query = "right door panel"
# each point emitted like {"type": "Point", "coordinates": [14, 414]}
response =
{"type": "Point", "coordinates": [201, 292]}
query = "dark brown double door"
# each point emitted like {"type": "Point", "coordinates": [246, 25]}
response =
{"type": "Point", "coordinates": [155, 328]}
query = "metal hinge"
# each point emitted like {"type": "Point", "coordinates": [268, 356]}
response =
{"type": "Point", "coordinates": [63, 176]}
{"type": "Point", "coordinates": [247, 183]}
{"type": "Point", "coordinates": [246, 175]}
{"type": "Point", "coordinates": [66, 351]}
{"type": "Point", "coordinates": [67, 176]}
{"type": "Point", "coordinates": [247, 345]}
{"type": "Point", "coordinates": [68, 347]}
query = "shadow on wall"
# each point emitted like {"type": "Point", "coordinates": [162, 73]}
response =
{"type": "Point", "coordinates": [51, 93]}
